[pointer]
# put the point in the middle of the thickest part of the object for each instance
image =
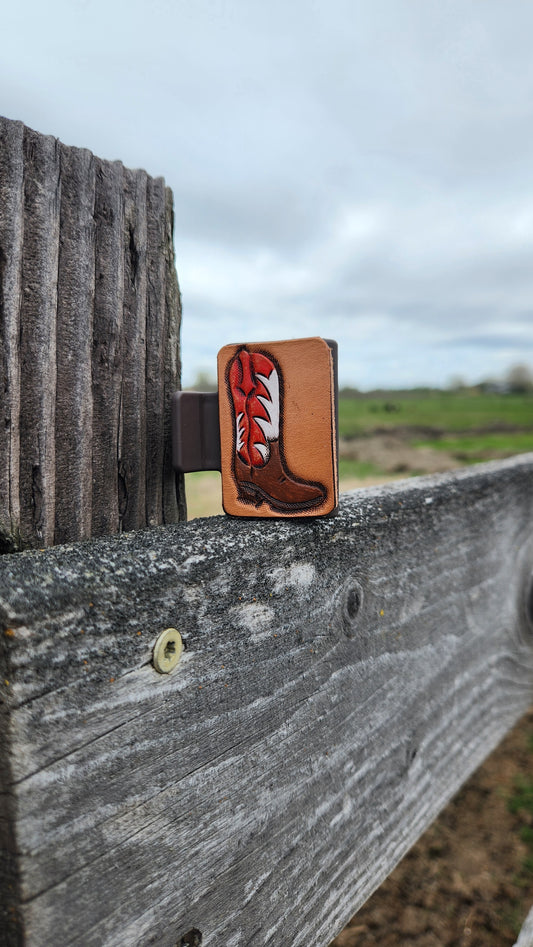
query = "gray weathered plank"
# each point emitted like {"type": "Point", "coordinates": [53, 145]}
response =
{"type": "Point", "coordinates": [172, 368]}
{"type": "Point", "coordinates": [89, 344]}
{"type": "Point", "coordinates": [342, 678]}
{"type": "Point", "coordinates": [75, 306]}
{"type": "Point", "coordinates": [11, 217]}
{"type": "Point", "coordinates": [132, 463]}
{"type": "Point", "coordinates": [37, 336]}
{"type": "Point", "coordinates": [162, 299]}
{"type": "Point", "coordinates": [106, 363]}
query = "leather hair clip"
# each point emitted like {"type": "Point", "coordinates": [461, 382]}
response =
{"type": "Point", "coordinates": [271, 429]}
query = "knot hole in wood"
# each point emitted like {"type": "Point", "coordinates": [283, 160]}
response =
{"type": "Point", "coordinates": [352, 603]}
{"type": "Point", "coordinates": [522, 626]}
{"type": "Point", "coordinates": [192, 938]}
{"type": "Point", "coordinates": [529, 604]}
{"type": "Point", "coordinates": [412, 747]}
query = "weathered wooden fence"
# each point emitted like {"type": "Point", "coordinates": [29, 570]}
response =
{"type": "Point", "coordinates": [89, 333]}
{"type": "Point", "coordinates": [341, 679]}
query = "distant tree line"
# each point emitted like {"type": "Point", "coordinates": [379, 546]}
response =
{"type": "Point", "coordinates": [518, 379]}
{"type": "Point", "coordinates": [203, 381]}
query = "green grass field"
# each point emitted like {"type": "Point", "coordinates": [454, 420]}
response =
{"type": "Point", "coordinates": [446, 411]}
{"type": "Point", "coordinates": [357, 469]}
{"type": "Point", "coordinates": [476, 446]}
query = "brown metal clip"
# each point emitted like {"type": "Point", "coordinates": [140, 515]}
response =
{"type": "Point", "coordinates": [195, 431]}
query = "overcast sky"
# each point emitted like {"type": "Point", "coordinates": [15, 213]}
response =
{"type": "Point", "coordinates": [357, 170]}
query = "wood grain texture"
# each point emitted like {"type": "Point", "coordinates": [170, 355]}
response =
{"type": "Point", "coordinates": [11, 218]}
{"type": "Point", "coordinates": [89, 344]}
{"type": "Point", "coordinates": [74, 334]}
{"type": "Point", "coordinates": [132, 463]}
{"type": "Point", "coordinates": [342, 677]}
{"type": "Point", "coordinates": [37, 336]}
{"type": "Point", "coordinates": [107, 355]}
{"type": "Point", "coordinates": [173, 485]}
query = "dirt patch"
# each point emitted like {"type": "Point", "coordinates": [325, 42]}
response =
{"type": "Point", "coordinates": [464, 883]}
{"type": "Point", "coordinates": [393, 453]}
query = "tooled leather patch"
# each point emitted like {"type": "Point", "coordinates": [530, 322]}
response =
{"type": "Point", "coordinates": [262, 475]}
{"type": "Point", "coordinates": [259, 466]}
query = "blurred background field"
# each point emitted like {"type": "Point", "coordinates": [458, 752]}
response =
{"type": "Point", "coordinates": [387, 435]}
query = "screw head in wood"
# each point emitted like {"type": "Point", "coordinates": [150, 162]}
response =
{"type": "Point", "coordinates": [167, 650]}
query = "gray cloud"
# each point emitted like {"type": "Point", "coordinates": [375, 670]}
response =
{"type": "Point", "coordinates": [350, 168]}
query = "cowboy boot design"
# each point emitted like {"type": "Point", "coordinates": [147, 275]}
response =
{"type": "Point", "coordinates": [259, 467]}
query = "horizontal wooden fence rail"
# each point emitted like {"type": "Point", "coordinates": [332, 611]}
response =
{"type": "Point", "coordinates": [89, 343]}
{"type": "Point", "coordinates": [341, 679]}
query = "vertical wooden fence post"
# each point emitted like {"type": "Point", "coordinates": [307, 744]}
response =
{"type": "Point", "coordinates": [89, 344]}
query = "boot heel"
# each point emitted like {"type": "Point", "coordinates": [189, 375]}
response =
{"type": "Point", "coordinates": [248, 493]}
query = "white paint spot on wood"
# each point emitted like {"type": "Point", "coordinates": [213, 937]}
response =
{"type": "Point", "coordinates": [255, 618]}
{"type": "Point", "coordinates": [299, 575]}
{"type": "Point", "coordinates": [192, 561]}
{"type": "Point", "coordinates": [345, 813]}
